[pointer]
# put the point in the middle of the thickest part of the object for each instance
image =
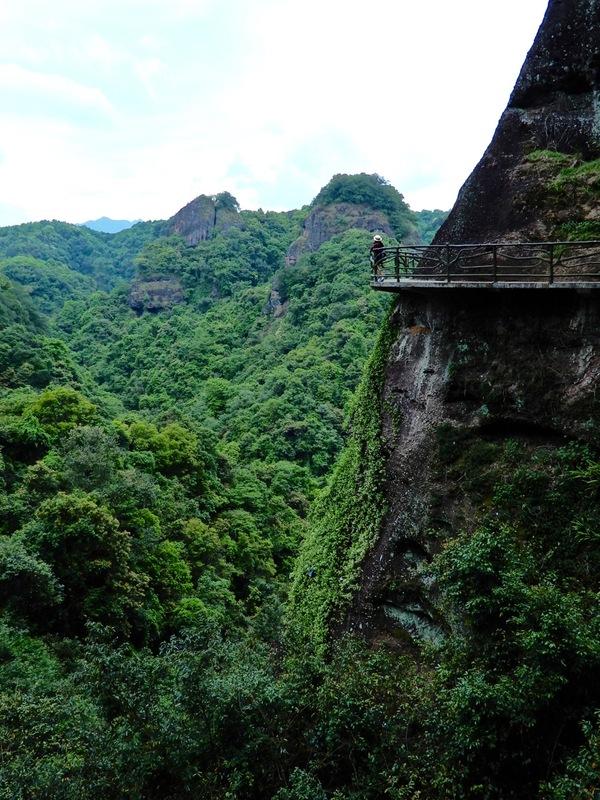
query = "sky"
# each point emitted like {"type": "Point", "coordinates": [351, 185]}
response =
{"type": "Point", "coordinates": [132, 108]}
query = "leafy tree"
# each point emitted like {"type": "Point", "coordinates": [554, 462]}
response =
{"type": "Point", "coordinates": [27, 586]}
{"type": "Point", "coordinates": [60, 410]}
{"type": "Point", "coordinates": [90, 555]}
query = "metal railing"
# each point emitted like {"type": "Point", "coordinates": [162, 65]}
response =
{"type": "Point", "coordinates": [503, 262]}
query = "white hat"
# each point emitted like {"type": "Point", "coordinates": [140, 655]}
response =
{"type": "Point", "coordinates": [377, 238]}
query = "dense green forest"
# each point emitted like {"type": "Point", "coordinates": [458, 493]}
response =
{"type": "Point", "coordinates": [157, 474]}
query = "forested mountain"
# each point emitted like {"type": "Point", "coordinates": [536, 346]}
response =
{"type": "Point", "coordinates": [103, 257]}
{"type": "Point", "coordinates": [199, 422]}
{"type": "Point", "coordinates": [172, 397]}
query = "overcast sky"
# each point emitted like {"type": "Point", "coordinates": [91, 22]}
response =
{"type": "Point", "coordinates": [130, 109]}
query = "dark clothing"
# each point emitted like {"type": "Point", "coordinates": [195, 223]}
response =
{"type": "Point", "coordinates": [377, 254]}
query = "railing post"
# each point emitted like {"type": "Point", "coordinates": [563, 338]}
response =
{"type": "Point", "coordinates": [397, 264]}
{"type": "Point", "coordinates": [448, 263]}
{"type": "Point", "coordinates": [551, 280]}
{"type": "Point", "coordinates": [495, 254]}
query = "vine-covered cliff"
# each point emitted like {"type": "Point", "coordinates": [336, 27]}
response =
{"type": "Point", "coordinates": [461, 524]}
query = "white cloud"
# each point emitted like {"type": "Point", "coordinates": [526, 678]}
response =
{"type": "Point", "coordinates": [189, 8]}
{"type": "Point", "coordinates": [18, 81]}
{"type": "Point", "coordinates": [265, 98]}
{"type": "Point", "coordinates": [147, 69]}
{"type": "Point", "coordinates": [408, 85]}
{"type": "Point", "coordinates": [104, 53]}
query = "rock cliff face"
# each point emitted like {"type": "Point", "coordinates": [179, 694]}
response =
{"type": "Point", "coordinates": [155, 295]}
{"type": "Point", "coordinates": [515, 192]}
{"type": "Point", "coordinates": [197, 221]}
{"type": "Point", "coordinates": [466, 374]}
{"type": "Point", "coordinates": [324, 222]}
{"type": "Point", "coordinates": [471, 372]}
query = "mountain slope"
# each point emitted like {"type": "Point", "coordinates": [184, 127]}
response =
{"type": "Point", "coordinates": [160, 444]}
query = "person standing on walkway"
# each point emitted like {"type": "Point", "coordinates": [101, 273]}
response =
{"type": "Point", "coordinates": [377, 255]}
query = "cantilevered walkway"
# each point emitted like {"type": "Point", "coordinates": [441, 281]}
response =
{"type": "Point", "coordinates": [506, 265]}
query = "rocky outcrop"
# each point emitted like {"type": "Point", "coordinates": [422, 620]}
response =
{"type": "Point", "coordinates": [467, 369]}
{"type": "Point", "coordinates": [274, 307]}
{"type": "Point", "coordinates": [324, 222]}
{"type": "Point", "coordinates": [199, 219]}
{"type": "Point", "coordinates": [155, 295]}
{"type": "Point", "coordinates": [555, 106]}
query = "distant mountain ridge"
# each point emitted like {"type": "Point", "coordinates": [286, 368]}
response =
{"type": "Point", "coordinates": [108, 225]}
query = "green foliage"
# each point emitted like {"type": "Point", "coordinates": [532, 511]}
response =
{"type": "Point", "coordinates": [206, 717]}
{"type": "Point", "coordinates": [276, 387]}
{"type": "Point", "coordinates": [584, 230]}
{"type": "Point", "coordinates": [161, 258]}
{"type": "Point", "coordinates": [60, 410]}
{"type": "Point", "coordinates": [581, 778]}
{"type": "Point", "coordinates": [347, 516]}
{"type": "Point", "coordinates": [428, 223]}
{"type": "Point", "coordinates": [27, 585]}
{"type": "Point", "coordinates": [189, 535]}
{"type": "Point", "coordinates": [513, 680]}
{"type": "Point", "coordinates": [225, 200]}
{"type": "Point", "coordinates": [553, 156]}
{"type": "Point", "coordinates": [16, 307]}
{"type": "Point", "coordinates": [90, 556]}
{"type": "Point", "coordinates": [28, 356]}
{"type": "Point", "coordinates": [156, 471]}
{"type": "Point", "coordinates": [571, 185]}
{"type": "Point", "coordinates": [49, 284]}
{"type": "Point", "coordinates": [580, 173]}
{"type": "Point", "coordinates": [104, 257]}
{"type": "Point", "coordinates": [303, 786]}
{"type": "Point", "coordinates": [28, 359]}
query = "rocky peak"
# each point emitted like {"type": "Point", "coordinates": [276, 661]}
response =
{"type": "Point", "coordinates": [327, 221]}
{"type": "Point", "coordinates": [198, 220]}
{"type": "Point", "coordinates": [514, 192]}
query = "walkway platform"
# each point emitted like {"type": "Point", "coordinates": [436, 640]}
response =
{"type": "Point", "coordinates": [496, 265]}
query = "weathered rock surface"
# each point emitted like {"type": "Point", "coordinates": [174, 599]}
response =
{"type": "Point", "coordinates": [555, 105]}
{"type": "Point", "coordinates": [155, 295]}
{"type": "Point", "coordinates": [274, 307]}
{"type": "Point", "coordinates": [523, 365]}
{"type": "Point", "coordinates": [491, 364]}
{"type": "Point", "coordinates": [324, 222]}
{"type": "Point", "coordinates": [198, 220]}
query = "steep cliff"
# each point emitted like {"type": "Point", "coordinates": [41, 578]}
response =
{"type": "Point", "coordinates": [155, 295]}
{"type": "Point", "coordinates": [467, 379]}
{"type": "Point", "coordinates": [461, 378]}
{"type": "Point", "coordinates": [460, 528]}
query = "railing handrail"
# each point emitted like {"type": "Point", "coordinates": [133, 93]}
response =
{"type": "Point", "coordinates": [572, 242]}
{"type": "Point", "coordinates": [550, 261]}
